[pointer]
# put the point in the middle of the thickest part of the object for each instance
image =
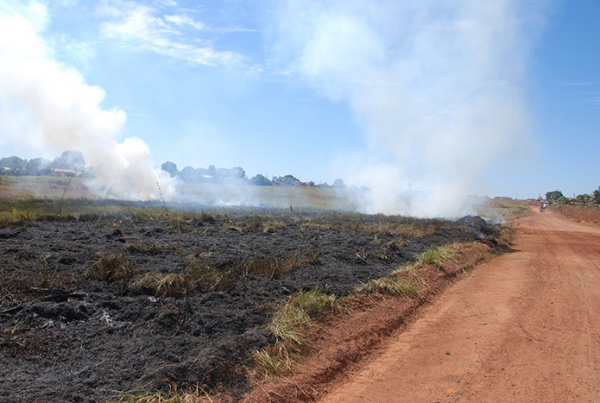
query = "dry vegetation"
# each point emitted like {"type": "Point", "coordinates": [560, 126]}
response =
{"type": "Point", "coordinates": [504, 210]}
{"type": "Point", "coordinates": [589, 213]}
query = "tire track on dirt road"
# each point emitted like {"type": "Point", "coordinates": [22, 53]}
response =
{"type": "Point", "coordinates": [522, 328]}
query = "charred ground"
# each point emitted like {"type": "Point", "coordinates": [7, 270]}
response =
{"type": "Point", "coordinates": [123, 297]}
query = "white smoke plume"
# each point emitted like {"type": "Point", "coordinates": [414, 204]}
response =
{"type": "Point", "coordinates": [438, 85]}
{"type": "Point", "coordinates": [49, 107]}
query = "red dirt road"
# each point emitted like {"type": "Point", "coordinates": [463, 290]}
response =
{"type": "Point", "coordinates": [523, 328]}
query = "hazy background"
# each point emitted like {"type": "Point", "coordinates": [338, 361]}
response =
{"type": "Point", "coordinates": [422, 103]}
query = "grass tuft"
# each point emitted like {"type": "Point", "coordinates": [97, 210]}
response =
{"type": "Point", "coordinates": [161, 284]}
{"type": "Point", "coordinates": [174, 395]}
{"type": "Point", "coordinates": [291, 327]}
{"type": "Point", "coordinates": [390, 286]}
{"type": "Point", "coordinates": [111, 267]}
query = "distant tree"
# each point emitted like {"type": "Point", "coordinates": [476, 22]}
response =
{"type": "Point", "coordinates": [12, 165]}
{"type": "Point", "coordinates": [188, 174]}
{"type": "Point", "coordinates": [261, 180]}
{"type": "Point", "coordinates": [287, 180]}
{"type": "Point", "coordinates": [223, 174]}
{"type": "Point", "coordinates": [554, 195]}
{"type": "Point", "coordinates": [169, 167]}
{"type": "Point", "coordinates": [203, 175]}
{"type": "Point", "coordinates": [37, 167]}
{"type": "Point", "coordinates": [596, 196]}
{"type": "Point", "coordinates": [562, 200]}
{"type": "Point", "coordinates": [237, 172]}
{"type": "Point", "coordinates": [70, 159]}
{"type": "Point", "coordinates": [338, 183]}
{"type": "Point", "coordinates": [583, 197]}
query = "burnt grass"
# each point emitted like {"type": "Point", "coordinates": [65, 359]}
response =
{"type": "Point", "coordinates": [80, 320]}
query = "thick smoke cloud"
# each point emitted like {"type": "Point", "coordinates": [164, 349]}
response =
{"type": "Point", "coordinates": [438, 86]}
{"type": "Point", "coordinates": [49, 107]}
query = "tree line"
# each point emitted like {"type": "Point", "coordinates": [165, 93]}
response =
{"type": "Point", "coordinates": [556, 196]}
{"type": "Point", "coordinates": [237, 175]}
{"type": "Point", "coordinates": [69, 162]}
{"type": "Point", "coordinates": [72, 163]}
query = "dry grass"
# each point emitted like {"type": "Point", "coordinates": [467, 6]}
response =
{"type": "Point", "coordinates": [464, 256]}
{"type": "Point", "coordinates": [291, 327]}
{"type": "Point", "coordinates": [406, 280]}
{"type": "Point", "coordinates": [271, 267]}
{"type": "Point", "coordinates": [406, 228]}
{"type": "Point", "coordinates": [162, 284]}
{"type": "Point", "coordinates": [587, 213]}
{"type": "Point", "coordinates": [391, 286]}
{"type": "Point", "coordinates": [148, 248]}
{"type": "Point", "coordinates": [504, 210]}
{"type": "Point", "coordinates": [111, 267]}
{"type": "Point", "coordinates": [174, 395]}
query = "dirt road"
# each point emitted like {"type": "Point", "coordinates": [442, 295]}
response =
{"type": "Point", "coordinates": [522, 328]}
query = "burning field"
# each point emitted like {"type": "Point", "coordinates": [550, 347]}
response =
{"type": "Point", "coordinates": [100, 299]}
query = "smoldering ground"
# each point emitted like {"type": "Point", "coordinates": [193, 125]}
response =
{"type": "Point", "coordinates": [83, 319]}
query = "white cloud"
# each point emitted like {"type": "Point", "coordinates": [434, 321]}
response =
{"type": "Point", "coordinates": [182, 20]}
{"type": "Point", "coordinates": [144, 27]}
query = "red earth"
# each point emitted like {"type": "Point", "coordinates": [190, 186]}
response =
{"type": "Point", "coordinates": [523, 327]}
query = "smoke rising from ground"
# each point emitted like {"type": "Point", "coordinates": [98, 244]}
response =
{"type": "Point", "coordinates": [438, 86]}
{"type": "Point", "coordinates": [48, 107]}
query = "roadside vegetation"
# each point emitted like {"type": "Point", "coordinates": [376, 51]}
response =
{"type": "Point", "coordinates": [582, 208]}
{"type": "Point", "coordinates": [501, 210]}
{"type": "Point", "coordinates": [589, 213]}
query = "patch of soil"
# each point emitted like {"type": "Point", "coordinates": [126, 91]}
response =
{"type": "Point", "coordinates": [71, 332]}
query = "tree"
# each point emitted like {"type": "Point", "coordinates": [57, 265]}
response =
{"type": "Point", "coordinates": [37, 166]}
{"type": "Point", "coordinates": [238, 172]}
{"type": "Point", "coordinates": [562, 200]}
{"type": "Point", "coordinates": [169, 167]}
{"type": "Point", "coordinates": [11, 165]}
{"type": "Point", "coordinates": [596, 196]}
{"type": "Point", "coordinates": [554, 195]}
{"type": "Point", "coordinates": [188, 174]}
{"type": "Point", "coordinates": [261, 180]}
{"type": "Point", "coordinates": [338, 183]}
{"type": "Point", "coordinates": [70, 159]}
{"type": "Point", "coordinates": [287, 180]}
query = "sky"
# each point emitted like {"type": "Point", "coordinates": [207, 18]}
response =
{"type": "Point", "coordinates": [422, 102]}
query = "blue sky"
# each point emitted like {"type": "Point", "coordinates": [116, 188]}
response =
{"type": "Point", "coordinates": [438, 98]}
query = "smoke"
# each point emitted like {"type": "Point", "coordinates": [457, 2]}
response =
{"type": "Point", "coordinates": [47, 106]}
{"type": "Point", "coordinates": [437, 85]}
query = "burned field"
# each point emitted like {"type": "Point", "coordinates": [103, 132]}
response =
{"type": "Point", "coordinates": [95, 304]}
